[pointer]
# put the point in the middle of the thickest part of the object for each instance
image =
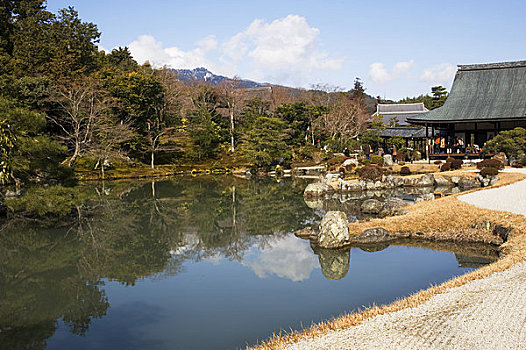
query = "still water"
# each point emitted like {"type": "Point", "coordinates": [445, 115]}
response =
{"type": "Point", "coordinates": [205, 263]}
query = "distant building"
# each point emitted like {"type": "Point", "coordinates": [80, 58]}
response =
{"type": "Point", "coordinates": [484, 100]}
{"type": "Point", "coordinates": [400, 111]}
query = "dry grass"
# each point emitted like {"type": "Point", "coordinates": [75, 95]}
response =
{"type": "Point", "coordinates": [444, 219]}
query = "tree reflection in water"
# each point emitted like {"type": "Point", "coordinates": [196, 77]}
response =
{"type": "Point", "coordinates": [52, 268]}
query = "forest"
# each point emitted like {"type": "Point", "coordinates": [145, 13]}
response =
{"type": "Point", "coordinates": [68, 108]}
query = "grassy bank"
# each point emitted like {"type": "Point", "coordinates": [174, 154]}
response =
{"type": "Point", "coordinates": [444, 219]}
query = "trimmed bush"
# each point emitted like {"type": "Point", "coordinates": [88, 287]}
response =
{"type": "Point", "coordinates": [490, 163]}
{"type": "Point", "coordinates": [446, 166]}
{"type": "Point", "coordinates": [401, 163]}
{"type": "Point", "coordinates": [489, 171]}
{"type": "Point", "coordinates": [405, 171]}
{"type": "Point", "coordinates": [517, 165]}
{"type": "Point", "coordinates": [437, 162]}
{"type": "Point", "coordinates": [305, 152]}
{"type": "Point", "coordinates": [456, 164]}
{"type": "Point", "coordinates": [450, 160]}
{"type": "Point", "coordinates": [336, 161]}
{"type": "Point", "coordinates": [376, 159]}
{"type": "Point", "coordinates": [371, 172]}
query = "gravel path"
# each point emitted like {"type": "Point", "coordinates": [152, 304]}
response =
{"type": "Point", "coordinates": [510, 198]}
{"type": "Point", "coordinates": [489, 313]}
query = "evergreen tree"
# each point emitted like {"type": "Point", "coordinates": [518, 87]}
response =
{"type": "Point", "coordinates": [264, 138]}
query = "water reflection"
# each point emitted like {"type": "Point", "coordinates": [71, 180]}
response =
{"type": "Point", "coordinates": [285, 257]}
{"type": "Point", "coordinates": [334, 263]}
{"type": "Point", "coordinates": [56, 268]}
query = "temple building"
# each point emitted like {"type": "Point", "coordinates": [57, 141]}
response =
{"type": "Point", "coordinates": [484, 100]}
{"type": "Point", "coordinates": [397, 114]}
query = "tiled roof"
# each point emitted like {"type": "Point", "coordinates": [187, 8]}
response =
{"type": "Point", "coordinates": [483, 92]}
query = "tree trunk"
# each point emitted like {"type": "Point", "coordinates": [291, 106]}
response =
{"type": "Point", "coordinates": [153, 160]}
{"type": "Point", "coordinates": [75, 154]}
{"type": "Point", "coordinates": [232, 130]}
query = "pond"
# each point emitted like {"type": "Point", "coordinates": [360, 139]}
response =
{"type": "Point", "coordinates": [195, 263]}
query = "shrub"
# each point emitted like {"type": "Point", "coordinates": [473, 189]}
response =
{"type": "Point", "coordinates": [510, 142]}
{"type": "Point", "coordinates": [376, 159]}
{"type": "Point", "coordinates": [365, 161]}
{"type": "Point", "coordinates": [489, 171]}
{"type": "Point", "coordinates": [450, 160]}
{"type": "Point", "coordinates": [405, 171]}
{"type": "Point", "coordinates": [341, 170]}
{"type": "Point", "coordinates": [490, 163]}
{"type": "Point", "coordinates": [517, 165]}
{"type": "Point", "coordinates": [437, 162]}
{"type": "Point", "coordinates": [446, 166]}
{"type": "Point", "coordinates": [336, 161]}
{"type": "Point", "coordinates": [400, 157]}
{"type": "Point", "coordinates": [350, 167]}
{"type": "Point", "coordinates": [371, 172]}
{"type": "Point", "coordinates": [305, 152]}
{"type": "Point", "coordinates": [456, 164]}
{"type": "Point", "coordinates": [417, 155]}
{"type": "Point", "coordinates": [401, 163]}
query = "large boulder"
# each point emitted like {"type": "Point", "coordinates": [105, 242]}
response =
{"type": "Point", "coordinates": [501, 157]}
{"type": "Point", "coordinates": [372, 206]}
{"type": "Point", "coordinates": [346, 186]}
{"type": "Point", "coordinates": [392, 206]}
{"type": "Point", "coordinates": [334, 263]}
{"type": "Point", "coordinates": [317, 189]}
{"type": "Point", "coordinates": [468, 183]}
{"type": "Point", "coordinates": [334, 230]}
{"type": "Point", "coordinates": [426, 180]}
{"type": "Point", "coordinates": [425, 197]}
{"type": "Point", "coordinates": [372, 235]}
{"type": "Point", "coordinates": [331, 177]}
{"type": "Point", "coordinates": [442, 182]}
{"type": "Point", "coordinates": [388, 160]}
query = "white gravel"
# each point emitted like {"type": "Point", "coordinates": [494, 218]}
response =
{"type": "Point", "coordinates": [511, 198]}
{"type": "Point", "coordinates": [489, 313]}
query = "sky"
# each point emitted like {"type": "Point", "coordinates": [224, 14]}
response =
{"type": "Point", "coordinates": [397, 48]}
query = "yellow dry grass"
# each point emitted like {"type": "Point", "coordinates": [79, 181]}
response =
{"type": "Point", "coordinates": [444, 219]}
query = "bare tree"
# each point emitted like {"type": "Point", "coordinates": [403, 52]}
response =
{"type": "Point", "coordinates": [81, 102]}
{"type": "Point", "coordinates": [346, 118]}
{"type": "Point", "coordinates": [109, 136]}
{"type": "Point", "coordinates": [232, 94]}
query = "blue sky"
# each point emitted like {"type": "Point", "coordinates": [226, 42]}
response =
{"type": "Point", "coordinates": [397, 48]}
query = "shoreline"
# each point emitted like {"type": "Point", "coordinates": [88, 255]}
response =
{"type": "Point", "coordinates": [441, 219]}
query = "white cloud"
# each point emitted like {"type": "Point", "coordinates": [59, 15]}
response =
{"type": "Point", "coordinates": [442, 73]}
{"type": "Point", "coordinates": [288, 257]}
{"type": "Point", "coordinates": [208, 44]}
{"type": "Point", "coordinates": [403, 67]}
{"type": "Point", "coordinates": [147, 48]}
{"type": "Point", "coordinates": [379, 73]}
{"type": "Point", "coordinates": [286, 50]}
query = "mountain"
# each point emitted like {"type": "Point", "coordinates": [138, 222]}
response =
{"type": "Point", "coordinates": [202, 74]}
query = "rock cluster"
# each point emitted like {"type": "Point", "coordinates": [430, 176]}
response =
{"type": "Point", "coordinates": [333, 232]}
{"type": "Point", "coordinates": [317, 189]}
{"type": "Point", "coordinates": [391, 207]}
{"type": "Point", "coordinates": [387, 182]}
{"type": "Point", "coordinates": [486, 181]}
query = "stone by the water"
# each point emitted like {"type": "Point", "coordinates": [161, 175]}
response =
{"type": "Point", "coordinates": [334, 230]}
